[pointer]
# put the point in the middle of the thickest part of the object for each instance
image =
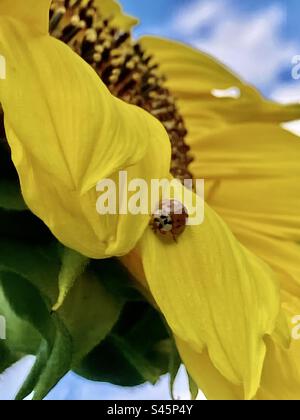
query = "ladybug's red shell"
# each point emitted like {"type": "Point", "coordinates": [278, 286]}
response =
{"type": "Point", "coordinates": [170, 218]}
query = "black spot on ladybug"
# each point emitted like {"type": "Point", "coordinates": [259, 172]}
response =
{"type": "Point", "coordinates": [170, 219]}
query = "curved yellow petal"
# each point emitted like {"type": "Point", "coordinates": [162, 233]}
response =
{"type": "Point", "coordinates": [112, 10]}
{"type": "Point", "coordinates": [250, 164]}
{"type": "Point", "coordinates": [214, 294]}
{"type": "Point", "coordinates": [251, 167]}
{"type": "Point", "coordinates": [280, 377]}
{"type": "Point", "coordinates": [281, 255]}
{"type": "Point", "coordinates": [193, 77]}
{"type": "Point", "coordinates": [209, 380]}
{"type": "Point", "coordinates": [253, 170]}
{"type": "Point", "coordinates": [34, 13]}
{"type": "Point", "coordinates": [67, 132]}
{"type": "Point", "coordinates": [281, 374]}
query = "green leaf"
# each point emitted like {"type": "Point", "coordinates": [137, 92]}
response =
{"type": "Point", "coordinates": [10, 196]}
{"type": "Point", "coordinates": [106, 364]}
{"type": "Point", "coordinates": [89, 313]}
{"type": "Point", "coordinates": [135, 352]}
{"type": "Point", "coordinates": [116, 279]}
{"type": "Point", "coordinates": [52, 363]}
{"type": "Point", "coordinates": [7, 357]}
{"type": "Point", "coordinates": [30, 276]}
{"type": "Point", "coordinates": [57, 365]}
{"type": "Point", "coordinates": [21, 337]}
{"type": "Point", "coordinates": [35, 373]}
{"type": "Point", "coordinates": [28, 305]}
{"type": "Point", "coordinates": [88, 301]}
{"type": "Point", "coordinates": [145, 369]}
{"type": "Point", "coordinates": [39, 265]}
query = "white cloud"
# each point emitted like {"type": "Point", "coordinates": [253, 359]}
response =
{"type": "Point", "coordinates": [250, 43]}
{"type": "Point", "coordinates": [287, 93]}
{"type": "Point", "coordinates": [194, 16]}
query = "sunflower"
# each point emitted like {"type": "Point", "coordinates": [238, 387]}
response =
{"type": "Point", "coordinates": [82, 104]}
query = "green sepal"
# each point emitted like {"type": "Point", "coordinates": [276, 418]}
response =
{"type": "Point", "coordinates": [136, 351]}
{"type": "Point", "coordinates": [174, 366]}
{"type": "Point", "coordinates": [194, 390]}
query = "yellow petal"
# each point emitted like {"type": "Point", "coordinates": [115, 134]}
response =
{"type": "Point", "coordinates": [111, 9]}
{"type": "Point", "coordinates": [281, 255]}
{"type": "Point", "coordinates": [281, 374]}
{"type": "Point", "coordinates": [251, 167]}
{"type": "Point", "coordinates": [215, 294]}
{"type": "Point", "coordinates": [254, 171]}
{"type": "Point", "coordinates": [209, 380]}
{"type": "Point", "coordinates": [280, 378]}
{"type": "Point", "coordinates": [34, 13]}
{"type": "Point", "coordinates": [193, 77]}
{"type": "Point", "coordinates": [67, 132]}
{"type": "Point", "coordinates": [250, 164]}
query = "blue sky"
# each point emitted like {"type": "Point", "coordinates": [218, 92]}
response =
{"type": "Point", "coordinates": [258, 39]}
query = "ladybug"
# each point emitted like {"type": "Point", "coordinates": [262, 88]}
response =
{"type": "Point", "coordinates": [169, 219]}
